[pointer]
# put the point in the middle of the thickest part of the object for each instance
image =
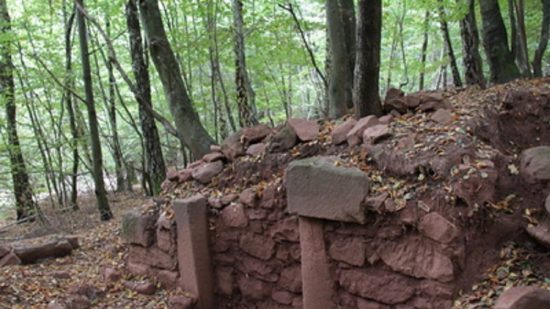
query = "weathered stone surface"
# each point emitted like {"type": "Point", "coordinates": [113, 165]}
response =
{"type": "Point", "coordinates": [355, 135]}
{"type": "Point", "coordinates": [413, 100]}
{"type": "Point", "coordinates": [283, 140]}
{"type": "Point", "coordinates": [255, 134]}
{"type": "Point", "coordinates": [10, 259]}
{"type": "Point", "coordinates": [53, 248]}
{"type": "Point", "coordinates": [181, 302]}
{"type": "Point", "coordinates": [4, 250]}
{"type": "Point", "coordinates": [386, 119]}
{"type": "Point", "coordinates": [168, 278]}
{"type": "Point", "coordinates": [256, 149]}
{"type": "Point", "coordinates": [306, 130]}
{"type": "Point", "coordinates": [417, 258]}
{"type": "Point", "coordinates": [535, 164]}
{"type": "Point", "coordinates": [395, 101]}
{"type": "Point", "coordinates": [185, 175]}
{"type": "Point", "coordinates": [84, 289]}
{"type": "Point", "coordinates": [367, 304]}
{"type": "Point", "coordinates": [257, 246]}
{"type": "Point", "coordinates": [110, 274]}
{"type": "Point", "coordinates": [196, 274]}
{"type": "Point", "coordinates": [213, 156]}
{"type": "Point", "coordinates": [142, 287]}
{"type": "Point", "coordinates": [436, 227]}
{"type": "Point", "coordinates": [285, 230]}
{"type": "Point", "coordinates": [282, 297]}
{"type": "Point", "coordinates": [232, 146]}
{"type": "Point", "coordinates": [541, 232]}
{"type": "Point", "coordinates": [318, 286]}
{"type": "Point", "coordinates": [347, 249]}
{"type": "Point", "coordinates": [253, 289]}
{"type": "Point", "coordinates": [442, 116]}
{"type": "Point", "coordinates": [204, 173]}
{"type": "Point", "coordinates": [376, 284]}
{"type": "Point", "coordinates": [374, 134]}
{"type": "Point", "coordinates": [319, 189]}
{"type": "Point", "coordinates": [227, 199]}
{"type": "Point", "coordinates": [151, 256]}
{"type": "Point", "coordinates": [527, 297]}
{"type": "Point", "coordinates": [291, 279]}
{"type": "Point", "coordinates": [166, 240]}
{"type": "Point", "coordinates": [225, 280]}
{"type": "Point", "coordinates": [248, 197]}
{"type": "Point", "coordinates": [257, 268]}
{"type": "Point", "coordinates": [339, 134]}
{"type": "Point", "coordinates": [60, 274]}
{"type": "Point", "coordinates": [234, 215]}
{"type": "Point", "coordinates": [138, 269]}
{"type": "Point", "coordinates": [138, 228]}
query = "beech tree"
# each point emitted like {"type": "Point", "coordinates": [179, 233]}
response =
{"type": "Point", "coordinates": [24, 203]}
{"type": "Point", "coordinates": [543, 41]}
{"type": "Point", "coordinates": [470, 46]}
{"type": "Point", "coordinates": [366, 99]}
{"type": "Point", "coordinates": [97, 157]}
{"type": "Point", "coordinates": [186, 118]}
{"type": "Point", "coordinates": [495, 41]}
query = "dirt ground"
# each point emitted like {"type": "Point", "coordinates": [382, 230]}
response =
{"type": "Point", "coordinates": [35, 286]}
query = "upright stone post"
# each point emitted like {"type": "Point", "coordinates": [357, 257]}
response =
{"type": "Point", "coordinates": [317, 284]}
{"type": "Point", "coordinates": [194, 261]}
{"type": "Point", "coordinates": [317, 190]}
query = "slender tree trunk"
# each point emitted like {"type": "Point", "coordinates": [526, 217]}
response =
{"type": "Point", "coordinates": [154, 160]}
{"type": "Point", "coordinates": [495, 42]}
{"type": "Point", "coordinates": [366, 98]}
{"type": "Point", "coordinates": [470, 46]}
{"type": "Point", "coordinates": [24, 203]}
{"type": "Point", "coordinates": [543, 41]}
{"type": "Point", "coordinates": [97, 160]}
{"type": "Point", "coordinates": [187, 120]}
{"type": "Point", "coordinates": [340, 79]}
{"type": "Point", "coordinates": [424, 50]}
{"type": "Point", "coordinates": [245, 94]}
{"type": "Point", "coordinates": [69, 103]}
{"type": "Point", "coordinates": [513, 28]}
{"type": "Point", "coordinates": [522, 53]}
{"type": "Point", "coordinates": [347, 11]}
{"type": "Point", "coordinates": [117, 151]}
{"type": "Point", "coordinates": [448, 45]}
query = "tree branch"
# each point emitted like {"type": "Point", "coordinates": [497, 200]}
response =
{"type": "Point", "coordinates": [289, 8]}
{"type": "Point", "coordinates": [114, 60]}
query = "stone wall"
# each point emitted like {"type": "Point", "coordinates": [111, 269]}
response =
{"type": "Point", "coordinates": [411, 258]}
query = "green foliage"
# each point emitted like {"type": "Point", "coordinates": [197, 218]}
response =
{"type": "Point", "coordinates": [278, 64]}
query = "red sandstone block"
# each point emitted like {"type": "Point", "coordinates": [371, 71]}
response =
{"type": "Point", "coordinates": [193, 252]}
{"type": "Point", "coordinates": [317, 284]}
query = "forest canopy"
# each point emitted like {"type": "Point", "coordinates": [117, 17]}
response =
{"type": "Point", "coordinates": [159, 82]}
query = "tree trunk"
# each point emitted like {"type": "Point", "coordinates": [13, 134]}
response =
{"type": "Point", "coordinates": [347, 11]}
{"type": "Point", "coordinates": [186, 118]}
{"type": "Point", "coordinates": [117, 151]}
{"type": "Point", "coordinates": [522, 54]}
{"type": "Point", "coordinates": [470, 46]}
{"type": "Point", "coordinates": [366, 98]}
{"type": "Point", "coordinates": [69, 103]}
{"type": "Point", "coordinates": [24, 203]}
{"type": "Point", "coordinates": [97, 160]}
{"type": "Point", "coordinates": [154, 160]}
{"type": "Point", "coordinates": [448, 45]}
{"type": "Point", "coordinates": [245, 94]}
{"type": "Point", "coordinates": [543, 42]}
{"type": "Point", "coordinates": [424, 50]}
{"type": "Point", "coordinates": [340, 79]}
{"type": "Point", "coordinates": [495, 42]}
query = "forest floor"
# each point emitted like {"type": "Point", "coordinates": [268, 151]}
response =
{"type": "Point", "coordinates": [36, 285]}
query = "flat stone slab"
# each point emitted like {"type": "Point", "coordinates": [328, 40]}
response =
{"type": "Point", "coordinates": [526, 297]}
{"type": "Point", "coordinates": [317, 188]}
